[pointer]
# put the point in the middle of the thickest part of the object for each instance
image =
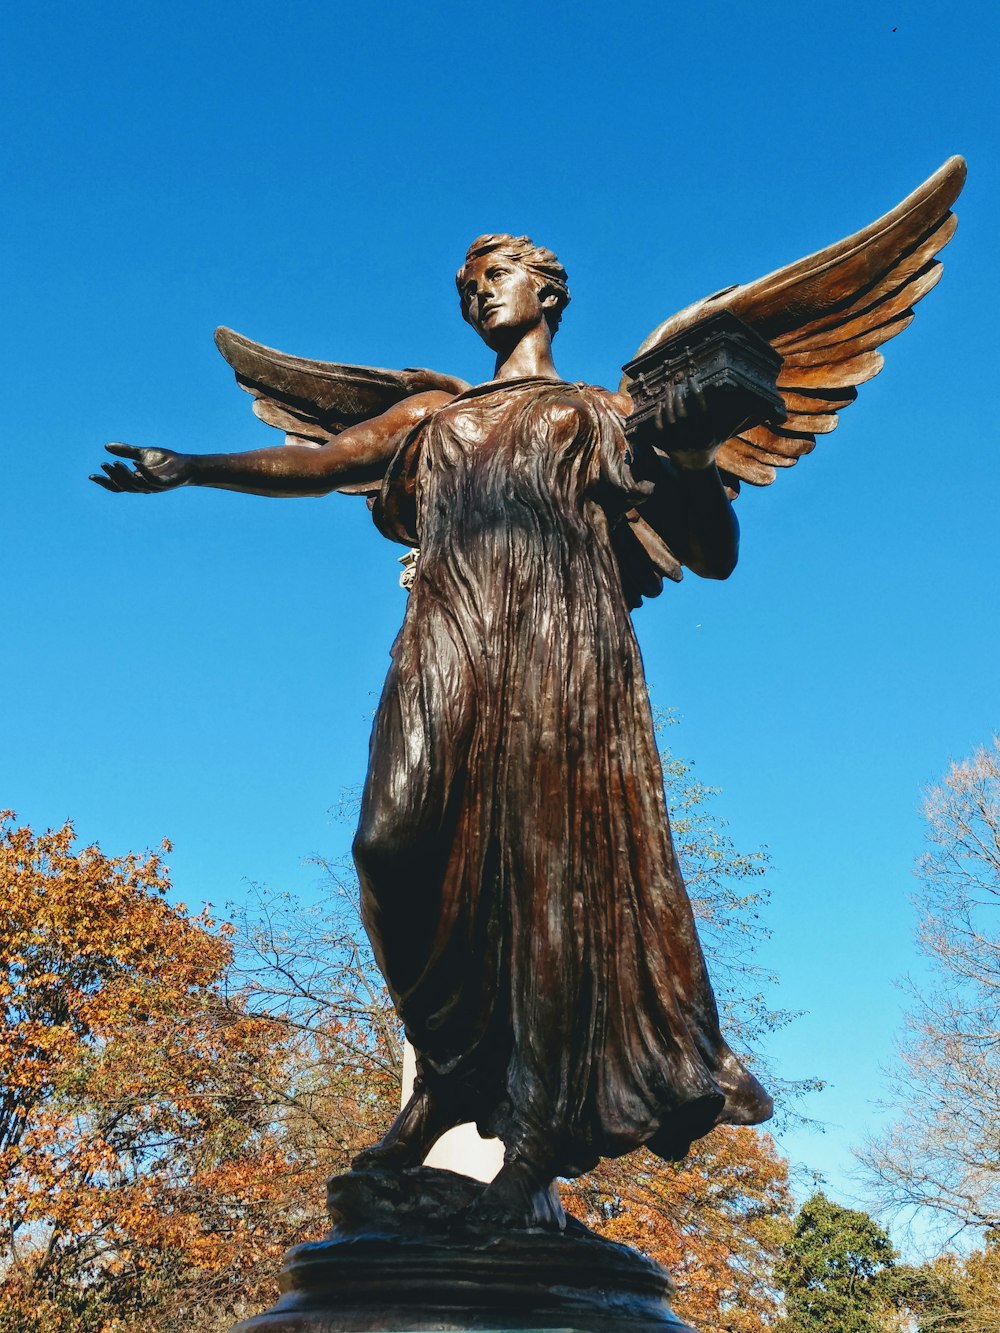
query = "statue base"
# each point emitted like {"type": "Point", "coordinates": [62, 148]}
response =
{"type": "Point", "coordinates": [402, 1258]}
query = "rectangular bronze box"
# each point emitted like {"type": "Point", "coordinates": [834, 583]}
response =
{"type": "Point", "coordinates": [735, 368]}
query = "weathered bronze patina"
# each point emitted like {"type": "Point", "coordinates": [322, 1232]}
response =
{"type": "Point", "coordinates": [519, 882]}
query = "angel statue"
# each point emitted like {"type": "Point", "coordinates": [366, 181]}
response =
{"type": "Point", "coordinates": [519, 883]}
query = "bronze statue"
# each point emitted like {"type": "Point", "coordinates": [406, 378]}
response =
{"type": "Point", "coordinates": [519, 882]}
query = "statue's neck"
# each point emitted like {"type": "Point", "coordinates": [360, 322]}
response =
{"type": "Point", "coordinates": [530, 358]}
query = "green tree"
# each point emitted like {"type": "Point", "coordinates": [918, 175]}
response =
{"type": "Point", "coordinates": [837, 1271]}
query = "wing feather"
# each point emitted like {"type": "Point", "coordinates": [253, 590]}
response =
{"type": "Point", "coordinates": [816, 423]}
{"type": "Point", "coordinates": [778, 443]}
{"type": "Point", "coordinates": [860, 334]}
{"type": "Point", "coordinates": [837, 371]}
{"type": "Point", "coordinates": [818, 400]}
{"type": "Point", "coordinates": [741, 459]}
{"type": "Point", "coordinates": [292, 423]}
{"type": "Point", "coordinates": [313, 401]}
{"type": "Point", "coordinates": [857, 320]}
{"type": "Point", "coordinates": [910, 267]}
{"type": "Point", "coordinates": [827, 315]}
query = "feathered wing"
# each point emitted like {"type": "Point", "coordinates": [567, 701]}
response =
{"type": "Point", "coordinates": [313, 401]}
{"type": "Point", "coordinates": [827, 315]}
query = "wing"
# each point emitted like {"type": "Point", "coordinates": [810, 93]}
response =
{"type": "Point", "coordinates": [827, 315]}
{"type": "Point", "coordinates": [313, 401]}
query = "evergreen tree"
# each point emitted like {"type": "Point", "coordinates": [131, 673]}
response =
{"type": "Point", "coordinates": [837, 1271]}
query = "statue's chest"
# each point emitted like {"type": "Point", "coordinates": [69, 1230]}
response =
{"type": "Point", "coordinates": [497, 435]}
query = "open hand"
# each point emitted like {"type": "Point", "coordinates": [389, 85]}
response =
{"type": "Point", "coordinates": [154, 470]}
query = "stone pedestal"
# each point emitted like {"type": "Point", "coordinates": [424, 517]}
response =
{"type": "Point", "coordinates": [403, 1259]}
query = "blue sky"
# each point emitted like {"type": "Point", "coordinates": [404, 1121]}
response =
{"type": "Point", "coordinates": [204, 665]}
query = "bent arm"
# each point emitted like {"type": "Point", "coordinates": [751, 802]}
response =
{"type": "Point", "coordinates": [354, 460]}
{"type": "Point", "coordinates": [692, 512]}
{"type": "Point", "coordinates": [689, 506]}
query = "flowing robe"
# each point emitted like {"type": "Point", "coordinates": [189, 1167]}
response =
{"type": "Point", "coordinates": [519, 882]}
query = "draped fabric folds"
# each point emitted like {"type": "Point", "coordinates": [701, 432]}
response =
{"type": "Point", "coordinates": [519, 882]}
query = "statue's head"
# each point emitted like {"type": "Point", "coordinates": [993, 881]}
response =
{"type": "Point", "coordinates": [492, 287]}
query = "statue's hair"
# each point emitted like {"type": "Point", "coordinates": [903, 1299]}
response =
{"type": "Point", "coordinates": [542, 264]}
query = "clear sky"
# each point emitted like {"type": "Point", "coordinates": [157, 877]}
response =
{"type": "Point", "coordinates": [204, 665]}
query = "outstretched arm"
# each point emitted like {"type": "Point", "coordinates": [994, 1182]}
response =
{"type": "Point", "coordinates": [353, 458]}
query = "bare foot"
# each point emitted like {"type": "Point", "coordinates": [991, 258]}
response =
{"type": "Point", "coordinates": [519, 1198]}
{"type": "Point", "coordinates": [409, 1138]}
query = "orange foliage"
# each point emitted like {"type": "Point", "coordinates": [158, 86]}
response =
{"type": "Point", "coordinates": [153, 1129]}
{"type": "Point", "coordinates": [715, 1221]}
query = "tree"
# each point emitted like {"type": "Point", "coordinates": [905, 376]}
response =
{"type": "Point", "coordinates": [976, 1284]}
{"type": "Point", "coordinates": [952, 1293]}
{"type": "Point", "coordinates": [941, 1156]}
{"type": "Point", "coordinates": [308, 971]}
{"type": "Point", "coordinates": [836, 1271]}
{"type": "Point", "coordinates": [168, 1118]}
{"type": "Point", "coordinates": [716, 1221]}
{"type": "Point", "coordinates": [927, 1299]}
{"type": "Point", "coordinates": [135, 1160]}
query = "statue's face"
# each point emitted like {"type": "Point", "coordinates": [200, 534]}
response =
{"type": "Point", "coordinates": [502, 300]}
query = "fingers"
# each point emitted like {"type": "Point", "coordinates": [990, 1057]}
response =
{"type": "Point", "coordinates": [118, 477]}
{"type": "Point", "coordinates": [138, 480]}
{"type": "Point", "coordinates": [684, 402]}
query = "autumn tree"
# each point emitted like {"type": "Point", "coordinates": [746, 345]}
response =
{"type": "Point", "coordinates": [975, 1289]}
{"type": "Point", "coordinates": [941, 1156]}
{"type": "Point", "coordinates": [308, 971]}
{"type": "Point", "coordinates": [837, 1271]}
{"type": "Point", "coordinates": [951, 1293]}
{"type": "Point", "coordinates": [136, 1158]}
{"type": "Point", "coordinates": [716, 1221]}
{"type": "Point", "coordinates": [927, 1299]}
